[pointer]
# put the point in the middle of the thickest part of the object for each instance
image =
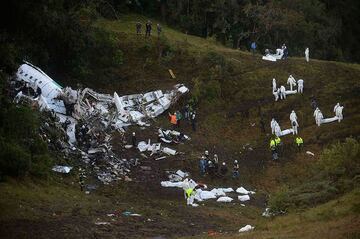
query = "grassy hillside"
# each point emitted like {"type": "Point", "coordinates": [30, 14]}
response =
{"type": "Point", "coordinates": [232, 89]}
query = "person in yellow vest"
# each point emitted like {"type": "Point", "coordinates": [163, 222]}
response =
{"type": "Point", "coordinates": [299, 142]}
{"type": "Point", "coordinates": [279, 145]}
{"type": "Point", "coordinates": [273, 149]}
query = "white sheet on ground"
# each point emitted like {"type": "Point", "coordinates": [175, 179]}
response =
{"type": "Point", "coordinates": [244, 198]}
{"type": "Point", "coordinates": [169, 184]}
{"type": "Point", "coordinates": [218, 192]}
{"type": "Point", "coordinates": [246, 228]}
{"type": "Point", "coordinates": [224, 199]}
{"type": "Point", "coordinates": [242, 190]}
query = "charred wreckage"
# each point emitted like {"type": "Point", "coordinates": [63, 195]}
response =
{"type": "Point", "coordinates": [87, 118]}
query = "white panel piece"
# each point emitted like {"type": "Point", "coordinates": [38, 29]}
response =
{"type": "Point", "coordinates": [169, 151]}
{"type": "Point", "coordinates": [165, 102]}
{"type": "Point", "coordinates": [183, 89]}
{"type": "Point", "coordinates": [136, 115]}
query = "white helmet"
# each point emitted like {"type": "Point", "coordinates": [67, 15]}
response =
{"type": "Point", "coordinates": [133, 133]}
{"type": "Point", "coordinates": [206, 152]}
{"type": "Point", "coordinates": [235, 161]}
{"type": "Point", "coordinates": [224, 163]}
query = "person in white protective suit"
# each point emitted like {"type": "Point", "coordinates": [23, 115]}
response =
{"type": "Point", "coordinates": [189, 191]}
{"type": "Point", "coordinates": [282, 92]}
{"type": "Point", "coordinates": [293, 121]}
{"type": "Point", "coordinates": [276, 94]}
{"type": "Point", "coordinates": [307, 52]}
{"type": "Point", "coordinates": [319, 118]}
{"type": "Point", "coordinates": [338, 111]}
{"type": "Point", "coordinates": [291, 81]}
{"type": "Point", "coordinates": [277, 130]}
{"type": "Point", "coordinates": [273, 124]}
{"type": "Point", "coordinates": [300, 83]}
{"type": "Point", "coordinates": [274, 84]}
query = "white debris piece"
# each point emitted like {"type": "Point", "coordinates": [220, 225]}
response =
{"type": "Point", "coordinates": [143, 146]}
{"type": "Point", "coordinates": [102, 223]}
{"type": "Point", "coordinates": [218, 192]}
{"type": "Point", "coordinates": [244, 198]}
{"type": "Point", "coordinates": [310, 153]}
{"type": "Point", "coordinates": [266, 213]}
{"type": "Point", "coordinates": [224, 199]}
{"type": "Point", "coordinates": [169, 184]}
{"type": "Point", "coordinates": [182, 174]}
{"type": "Point", "coordinates": [61, 169]}
{"type": "Point", "coordinates": [204, 195]}
{"type": "Point", "coordinates": [242, 190]}
{"type": "Point", "coordinates": [246, 228]}
{"type": "Point", "coordinates": [227, 190]}
{"type": "Point", "coordinates": [169, 151]}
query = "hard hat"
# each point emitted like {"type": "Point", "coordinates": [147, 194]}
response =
{"type": "Point", "coordinates": [235, 161]}
{"type": "Point", "coordinates": [202, 157]}
{"type": "Point", "coordinates": [206, 152]}
{"type": "Point", "coordinates": [133, 133]}
{"type": "Point", "coordinates": [223, 163]}
{"type": "Point", "coordinates": [215, 155]}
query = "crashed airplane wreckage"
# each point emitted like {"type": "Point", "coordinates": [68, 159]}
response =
{"type": "Point", "coordinates": [89, 118]}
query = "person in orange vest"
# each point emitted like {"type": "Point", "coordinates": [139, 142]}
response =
{"type": "Point", "coordinates": [173, 120]}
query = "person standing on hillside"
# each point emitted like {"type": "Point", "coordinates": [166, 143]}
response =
{"type": "Point", "coordinates": [138, 28]}
{"type": "Point", "coordinates": [236, 169]}
{"type": "Point", "coordinates": [148, 27]}
{"type": "Point", "coordinates": [273, 149]}
{"type": "Point", "coordinates": [133, 140]}
{"type": "Point", "coordinates": [159, 29]}
{"type": "Point", "coordinates": [173, 120]}
{"type": "Point", "coordinates": [307, 54]}
{"type": "Point", "coordinates": [178, 118]}
{"type": "Point", "coordinates": [299, 142]}
{"type": "Point", "coordinates": [202, 165]}
{"type": "Point", "coordinates": [193, 121]}
{"type": "Point", "coordinates": [253, 47]}
{"type": "Point", "coordinates": [223, 170]}
{"type": "Point", "coordinates": [300, 83]}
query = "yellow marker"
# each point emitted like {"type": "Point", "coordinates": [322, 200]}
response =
{"type": "Point", "coordinates": [172, 74]}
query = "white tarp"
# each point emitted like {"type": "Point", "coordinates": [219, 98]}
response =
{"type": "Point", "coordinates": [244, 198]}
{"type": "Point", "coordinates": [246, 228]}
{"type": "Point", "coordinates": [242, 190]}
{"type": "Point", "coordinates": [224, 199]}
{"type": "Point", "coordinates": [171, 184]}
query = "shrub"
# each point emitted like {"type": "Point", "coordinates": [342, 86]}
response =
{"type": "Point", "coordinates": [336, 172]}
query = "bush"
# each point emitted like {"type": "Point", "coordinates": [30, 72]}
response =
{"type": "Point", "coordinates": [14, 160]}
{"type": "Point", "coordinates": [336, 172]}
{"type": "Point", "coordinates": [214, 59]}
